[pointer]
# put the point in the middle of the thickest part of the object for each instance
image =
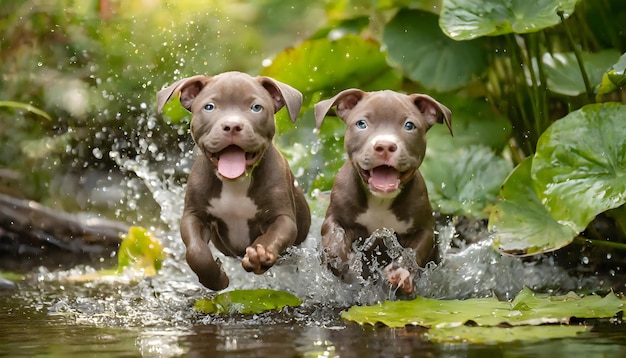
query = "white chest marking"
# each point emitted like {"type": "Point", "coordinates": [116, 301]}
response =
{"type": "Point", "coordinates": [235, 208]}
{"type": "Point", "coordinates": [378, 215]}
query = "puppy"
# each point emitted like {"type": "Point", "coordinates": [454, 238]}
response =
{"type": "Point", "coordinates": [380, 185]}
{"type": "Point", "coordinates": [241, 193]}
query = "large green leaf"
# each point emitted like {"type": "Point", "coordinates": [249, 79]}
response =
{"type": "Point", "coordinates": [526, 309]}
{"type": "Point", "coordinates": [416, 44]}
{"type": "Point", "coordinates": [474, 122]}
{"type": "Point", "coordinates": [579, 169]}
{"type": "Point", "coordinates": [462, 173]}
{"type": "Point", "coordinates": [563, 72]}
{"type": "Point", "coordinates": [464, 182]}
{"type": "Point", "coordinates": [469, 19]}
{"type": "Point", "coordinates": [493, 335]}
{"type": "Point", "coordinates": [247, 301]}
{"type": "Point", "coordinates": [520, 222]}
{"type": "Point", "coordinates": [320, 68]}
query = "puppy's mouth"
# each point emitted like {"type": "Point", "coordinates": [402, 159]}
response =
{"type": "Point", "coordinates": [384, 178]}
{"type": "Point", "coordinates": [232, 161]}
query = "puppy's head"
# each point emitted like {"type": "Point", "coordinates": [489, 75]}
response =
{"type": "Point", "coordinates": [385, 134]}
{"type": "Point", "coordinates": [233, 116]}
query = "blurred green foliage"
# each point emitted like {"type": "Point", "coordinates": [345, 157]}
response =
{"type": "Point", "coordinates": [508, 70]}
{"type": "Point", "coordinates": [95, 66]}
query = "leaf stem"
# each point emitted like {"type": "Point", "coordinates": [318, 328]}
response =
{"type": "Point", "coordinates": [27, 107]}
{"type": "Point", "coordinates": [615, 245]}
{"type": "Point", "coordinates": [515, 78]}
{"type": "Point", "coordinates": [578, 55]}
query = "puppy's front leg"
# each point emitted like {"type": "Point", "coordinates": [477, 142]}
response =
{"type": "Point", "coordinates": [196, 236]}
{"type": "Point", "coordinates": [264, 251]}
{"type": "Point", "coordinates": [337, 251]}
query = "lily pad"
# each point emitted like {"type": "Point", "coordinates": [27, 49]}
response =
{"type": "Point", "coordinates": [469, 19]}
{"type": "Point", "coordinates": [563, 73]}
{"type": "Point", "coordinates": [247, 301]}
{"type": "Point", "coordinates": [426, 55]}
{"type": "Point", "coordinates": [526, 309]}
{"type": "Point", "coordinates": [464, 182]}
{"type": "Point", "coordinates": [494, 335]}
{"type": "Point", "coordinates": [521, 223]}
{"type": "Point", "coordinates": [579, 168]}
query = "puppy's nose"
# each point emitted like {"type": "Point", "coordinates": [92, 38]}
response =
{"type": "Point", "coordinates": [385, 146]}
{"type": "Point", "coordinates": [232, 125]}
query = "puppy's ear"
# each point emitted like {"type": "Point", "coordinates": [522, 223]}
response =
{"type": "Point", "coordinates": [283, 95]}
{"type": "Point", "coordinates": [432, 110]}
{"type": "Point", "coordinates": [188, 89]}
{"type": "Point", "coordinates": [345, 101]}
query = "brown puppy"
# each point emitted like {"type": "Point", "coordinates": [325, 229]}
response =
{"type": "Point", "coordinates": [380, 185]}
{"type": "Point", "coordinates": [240, 193]}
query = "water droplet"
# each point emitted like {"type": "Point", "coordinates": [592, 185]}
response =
{"type": "Point", "coordinates": [97, 153]}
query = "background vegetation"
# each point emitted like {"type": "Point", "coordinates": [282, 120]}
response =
{"type": "Point", "coordinates": [509, 70]}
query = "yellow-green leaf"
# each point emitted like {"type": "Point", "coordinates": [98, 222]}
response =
{"type": "Point", "coordinates": [247, 301]}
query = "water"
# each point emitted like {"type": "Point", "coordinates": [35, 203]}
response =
{"type": "Point", "coordinates": [48, 314]}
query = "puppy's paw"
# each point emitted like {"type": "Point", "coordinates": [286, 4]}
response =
{"type": "Point", "coordinates": [399, 277]}
{"type": "Point", "coordinates": [258, 259]}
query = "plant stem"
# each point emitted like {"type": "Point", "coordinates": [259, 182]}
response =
{"type": "Point", "coordinates": [578, 55]}
{"type": "Point", "coordinates": [615, 245]}
{"type": "Point", "coordinates": [532, 49]}
{"type": "Point", "coordinates": [518, 60]}
{"type": "Point", "coordinates": [27, 107]}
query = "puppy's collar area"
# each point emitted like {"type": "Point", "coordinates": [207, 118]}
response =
{"type": "Point", "coordinates": [232, 162]}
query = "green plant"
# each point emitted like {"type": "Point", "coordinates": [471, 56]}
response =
{"type": "Point", "coordinates": [532, 63]}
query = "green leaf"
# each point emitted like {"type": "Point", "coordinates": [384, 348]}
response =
{"type": "Point", "coordinates": [175, 112]}
{"type": "Point", "coordinates": [563, 73]}
{"type": "Point", "coordinates": [614, 78]}
{"type": "Point", "coordinates": [464, 182]}
{"type": "Point", "coordinates": [469, 19]}
{"type": "Point", "coordinates": [526, 309]}
{"type": "Point", "coordinates": [474, 122]}
{"type": "Point", "coordinates": [579, 169]}
{"type": "Point", "coordinates": [521, 223]}
{"type": "Point", "coordinates": [247, 301]}
{"type": "Point", "coordinates": [320, 68]}
{"type": "Point", "coordinates": [416, 44]}
{"type": "Point", "coordinates": [140, 251]}
{"type": "Point", "coordinates": [494, 335]}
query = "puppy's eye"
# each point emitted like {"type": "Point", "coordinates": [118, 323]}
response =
{"type": "Point", "coordinates": [361, 124]}
{"type": "Point", "coordinates": [409, 126]}
{"type": "Point", "coordinates": [209, 107]}
{"type": "Point", "coordinates": [256, 108]}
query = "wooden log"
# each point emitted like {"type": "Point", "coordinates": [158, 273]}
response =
{"type": "Point", "coordinates": [33, 235]}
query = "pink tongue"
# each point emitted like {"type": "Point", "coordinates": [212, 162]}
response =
{"type": "Point", "coordinates": [384, 179]}
{"type": "Point", "coordinates": [232, 162]}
